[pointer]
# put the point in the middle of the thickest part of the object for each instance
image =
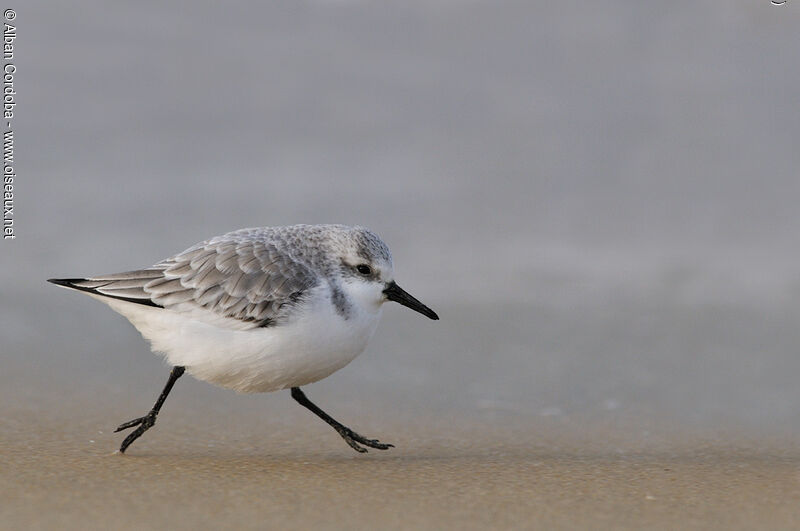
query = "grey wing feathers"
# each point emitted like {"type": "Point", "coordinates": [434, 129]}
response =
{"type": "Point", "coordinates": [234, 276]}
{"type": "Point", "coordinates": [249, 280]}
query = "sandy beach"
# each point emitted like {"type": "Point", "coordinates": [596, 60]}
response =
{"type": "Point", "coordinates": [189, 476]}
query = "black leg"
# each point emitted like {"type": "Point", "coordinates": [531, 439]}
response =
{"type": "Point", "coordinates": [350, 437]}
{"type": "Point", "coordinates": [147, 422]}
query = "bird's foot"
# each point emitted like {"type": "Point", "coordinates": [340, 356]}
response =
{"type": "Point", "coordinates": [353, 439]}
{"type": "Point", "coordinates": [144, 423]}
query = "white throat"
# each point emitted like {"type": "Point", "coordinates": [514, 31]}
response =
{"type": "Point", "coordinates": [365, 298]}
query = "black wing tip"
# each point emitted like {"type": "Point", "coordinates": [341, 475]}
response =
{"type": "Point", "coordinates": [73, 283]}
{"type": "Point", "coordinates": [67, 282]}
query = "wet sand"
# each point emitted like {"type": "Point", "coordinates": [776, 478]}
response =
{"type": "Point", "coordinates": [445, 473]}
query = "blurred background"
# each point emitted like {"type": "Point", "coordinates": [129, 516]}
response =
{"type": "Point", "coordinates": [600, 200]}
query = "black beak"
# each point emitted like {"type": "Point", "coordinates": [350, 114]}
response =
{"type": "Point", "coordinates": [395, 293]}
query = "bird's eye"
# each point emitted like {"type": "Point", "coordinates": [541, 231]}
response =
{"type": "Point", "coordinates": [364, 269]}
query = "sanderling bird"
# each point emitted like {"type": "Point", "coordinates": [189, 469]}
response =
{"type": "Point", "coordinates": [259, 310]}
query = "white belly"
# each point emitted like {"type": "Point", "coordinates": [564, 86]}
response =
{"type": "Point", "coordinates": [303, 351]}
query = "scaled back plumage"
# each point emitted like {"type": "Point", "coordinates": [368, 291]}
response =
{"type": "Point", "coordinates": [253, 276]}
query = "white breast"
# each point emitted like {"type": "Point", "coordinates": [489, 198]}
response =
{"type": "Point", "coordinates": [310, 347]}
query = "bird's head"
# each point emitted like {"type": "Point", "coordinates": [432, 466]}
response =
{"type": "Point", "coordinates": [368, 274]}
